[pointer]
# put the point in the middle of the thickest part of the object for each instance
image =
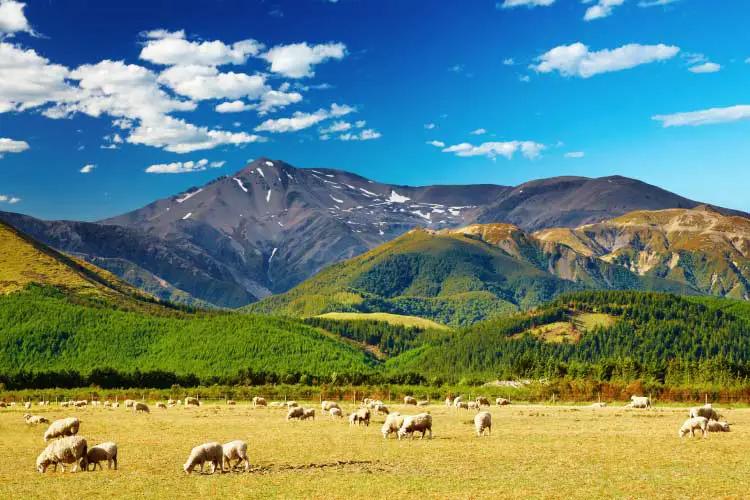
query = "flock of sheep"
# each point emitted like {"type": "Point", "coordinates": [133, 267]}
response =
{"type": "Point", "coordinates": [65, 447]}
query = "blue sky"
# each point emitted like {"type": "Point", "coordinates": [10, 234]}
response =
{"type": "Point", "coordinates": [391, 90]}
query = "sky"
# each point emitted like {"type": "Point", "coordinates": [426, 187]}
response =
{"type": "Point", "coordinates": [107, 106]}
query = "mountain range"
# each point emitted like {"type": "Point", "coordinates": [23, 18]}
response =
{"type": "Point", "coordinates": [271, 226]}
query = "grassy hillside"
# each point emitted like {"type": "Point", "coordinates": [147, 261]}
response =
{"type": "Point", "coordinates": [393, 319]}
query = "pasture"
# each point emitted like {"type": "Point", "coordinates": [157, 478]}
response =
{"type": "Point", "coordinates": [533, 452]}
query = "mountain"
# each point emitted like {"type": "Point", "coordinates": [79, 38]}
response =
{"type": "Point", "coordinates": [270, 226]}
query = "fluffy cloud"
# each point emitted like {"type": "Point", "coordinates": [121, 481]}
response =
{"type": "Point", "coordinates": [12, 18]}
{"type": "Point", "coordinates": [277, 99]}
{"type": "Point", "coordinates": [11, 146]}
{"type": "Point", "coordinates": [171, 49]}
{"type": "Point", "coordinates": [508, 62]}
{"type": "Point", "coordinates": [234, 107]}
{"type": "Point", "coordinates": [706, 67]}
{"type": "Point", "coordinates": [429, 126]}
{"type": "Point", "coordinates": [180, 167]}
{"type": "Point", "coordinates": [4, 198]}
{"type": "Point", "coordinates": [338, 126]}
{"type": "Point", "coordinates": [87, 169]}
{"type": "Point", "coordinates": [705, 117]}
{"type": "Point", "coordinates": [206, 82]}
{"type": "Point", "coordinates": [298, 59]}
{"type": "Point", "coordinates": [479, 131]}
{"type": "Point", "coordinates": [364, 135]}
{"type": "Point", "coordinates": [437, 144]}
{"type": "Point", "coordinates": [655, 3]}
{"type": "Point", "coordinates": [507, 4]}
{"type": "Point", "coordinates": [529, 149]}
{"type": "Point", "coordinates": [577, 60]}
{"type": "Point", "coordinates": [603, 8]}
{"type": "Point", "coordinates": [575, 154]}
{"type": "Point", "coordinates": [29, 80]}
{"type": "Point", "coordinates": [301, 121]}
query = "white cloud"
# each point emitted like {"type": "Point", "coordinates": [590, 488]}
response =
{"type": "Point", "coordinates": [655, 3]}
{"type": "Point", "coordinates": [705, 117]}
{"type": "Point", "coordinates": [29, 80]}
{"type": "Point", "coordinates": [338, 126]}
{"type": "Point", "coordinates": [277, 99]}
{"type": "Point", "coordinates": [437, 144]}
{"type": "Point", "coordinates": [217, 164]}
{"type": "Point", "coordinates": [360, 123]}
{"type": "Point", "coordinates": [12, 18]}
{"type": "Point", "coordinates": [298, 59]}
{"type": "Point", "coordinates": [577, 60]}
{"type": "Point", "coordinates": [479, 131]}
{"type": "Point", "coordinates": [12, 146]}
{"type": "Point", "coordinates": [159, 34]}
{"type": "Point", "coordinates": [508, 62]}
{"type": "Point", "coordinates": [603, 8]}
{"type": "Point", "coordinates": [429, 126]}
{"type": "Point", "coordinates": [706, 67]}
{"type": "Point", "coordinates": [300, 120]}
{"type": "Point", "coordinates": [87, 169]}
{"type": "Point", "coordinates": [206, 82]}
{"type": "Point", "coordinates": [4, 198]}
{"type": "Point", "coordinates": [507, 4]}
{"type": "Point", "coordinates": [575, 154]}
{"type": "Point", "coordinates": [364, 135]}
{"type": "Point", "coordinates": [524, 78]}
{"type": "Point", "coordinates": [175, 50]}
{"type": "Point", "coordinates": [529, 149]}
{"type": "Point", "coordinates": [234, 107]}
{"type": "Point", "coordinates": [178, 167]}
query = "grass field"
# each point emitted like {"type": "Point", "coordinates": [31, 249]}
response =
{"type": "Point", "coordinates": [394, 319]}
{"type": "Point", "coordinates": [533, 452]}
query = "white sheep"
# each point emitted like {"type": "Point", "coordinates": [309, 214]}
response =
{"type": "Point", "coordinates": [456, 401]}
{"type": "Point", "coordinates": [68, 450]}
{"type": "Point", "coordinates": [472, 405]}
{"type": "Point", "coordinates": [102, 452]}
{"type": "Point", "coordinates": [140, 408]}
{"type": "Point", "coordinates": [115, 405]}
{"type": "Point", "coordinates": [231, 402]}
{"type": "Point", "coordinates": [692, 424]}
{"type": "Point", "coordinates": [295, 413]}
{"type": "Point", "coordinates": [482, 401]}
{"type": "Point", "coordinates": [191, 401]}
{"type": "Point", "coordinates": [381, 408]}
{"type": "Point", "coordinates": [61, 428]}
{"type": "Point", "coordinates": [408, 400]}
{"type": "Point", "coordinates": [129, 403]}
{"type": "Point", "coordinates": [704, 411]}
{"type": "Point", "coordinates": [291, 404]}
{"type": "Point", "coordinates": [81, 403]}
{"type": "Point", "coordinates": [235, 450]}
{"type": "Point", "coordinates": [259, 401]}
{"type": "Point", "coordinates": [207, 452]}
{"type": "Point", "coordinates": [715, 426]}
{"type": "Point", "coordinates": [423, 403]}
{"type": "Point", "coordinates": [161, 405]}
{"type": "Point", "coordinates": [335, 413]}
{"type": "Point", "coordinates": [34, 419]}
{"type": "Point", "coordinates": [599, 405]}
{"type": "Point", "coordinates": [416, 423]}
{"type": "Point", "coordinates": [361, 416]}
{"type": "Point", "coordinates": [639, 402]}
{"type": "Point", "coordinates": [108, 404]}
{"type": "Point", "coordinates": [462, 405]}
{"type": "Point", "coordinates": [27, 405]}
{"type": "Point", "coordinates": [328, 405]}
{"type": "Point", "coordinates": [393, 423]}
{"type": "Point", "coordinates": [308, 413]}
{"type": "Point", "coordinates": [502, 402]}
{"type": "Point", "coordinates": [482, 422]}
{"type": "Point", "coordinates": [171, 402]}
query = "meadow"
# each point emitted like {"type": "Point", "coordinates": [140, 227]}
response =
{"type": "Point", "coordinates": [533, 452]}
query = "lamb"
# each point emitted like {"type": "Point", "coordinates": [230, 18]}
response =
{"type": "Point", "coordinates": [692, 424]}
{"type": "Point", "coordinates": [61, 428]}
{"type": "Point", "coordinates": [482, 422]}
{"type": "Point", "coordinates": [335, 412]}
{"type": "Point", "coordinates": [502, 402]}
{"type": "Point", "coordinates": [704, 411]}
{"type": "Point", "coordinates": [141, 408]}
{"type": "Point", "coordinates": [259, 401]}
{"type": "Point", "coordinates": [102, 452]}
{"type": "Point", "coordinates": [235, 450]}
{"type": "Point", "coordinates": [482, 401]}
{"type": "Point", "coordinates": [129, 403]}
{"type": "Point", "coordinates": [361, 416]}
{"type": "Point", "coordinates": [207, 452]}
{"type": "Point", "coordinates": [393, 423]}
{"type": "Point", "coordinates": [307, 414]}
{"type": "Point", "coordinates": [295, 413]}
{"type": "Point", "coordinates": [408, 400]}
{"type": "Point", "coordinates": [34, 419]}
{"type": "Point", "coordinates": [416, 423]}
{"type": "Point", "coordinates": [191, 401]}
{"type": "Point", "coordinates": [714, 426]}
{"type": "Point", "coordinates": [639, 402]}
{"type": "Point", "coordinates": [69, 450]}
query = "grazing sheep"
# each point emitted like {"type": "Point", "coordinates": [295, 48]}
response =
{"type": "Point", "coordinates": [61, 428]}
{"type": "Point", "coordinates": [231, 402]}
{"type": "Point", "coordinates": [381, 408]}
{"type": "Point", "coordinates": [295, 413]}
{"type": "Point", "coordinates": [408, 400]}
{"type": "Point", "coordinates": [457, 401]}
{"type": "Point", "coordinates": [207, 452]}
{"type": "Point", "coordinates": [140, 408]}
{"type": "Point", "coordinates": [335, 412]}
{"type": "Point", "coordinates": [483, 421]}
{"type": "Point", "coordinates": [416, 423]}
{"type": "Point", "coordinates": [235, 450]}
{"type": "Point", "coordinates": [482, 401]}
{"type": "Point", "coordinates": [80, 404]}
{"type": "Point", "coordinates": [328, 405]}
{"type": "Point", "coordinates": [361, 416]}
{"type": "Point", "coordinates": [191, 401]}
{"type": "Point", "coordinates": [107, 404]}
{"type": "Point", "coordinates": [161, 405]}
{"type": "Point", "coordinates": [259, 401]}
{"type": "Point", "coordinates": [277, 404]}
{"type": "Point", "coordinates": [639, 402]}
{"type": "Point", "coordinates": [462, 405]}
{"type": "Point", "coordinates": [714, 426]}
{"type": "Point", "coordinates": [27, 405]}
{"type": "Point", "coordinates": [704, 411]}
{"type": "Point", "coordinates": [102, 452]}
{"type": "Point", "coordinates": [129, 403]}
{"type": "Point", "coordinates": [423, 403]}
{"type": "Point", "coordinates": [69, 450]}
{"type": "Point", "coordinates": [115, 405]}
{"type": "Point", "coordinates": [692, 424]}
{"type": "Point", "coordinates": [308, 414]}
{"type": "Point", "coordinates": [34, 419]}
{"type": "Point", "coordinates": [472, 405]}
{"type": "Point", "coordinates": [171, 402]}
{"type": "Point", "coordinates": [502, 402]}
{"type": "Point", "coordinates": [291, 404]}
{"type": "Point", "coordinates": [393, 423]}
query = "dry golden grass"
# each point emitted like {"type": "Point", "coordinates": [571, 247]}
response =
{"type": "Point", "coordinates": [533, 452]}
{"type": "Point", "coordinates": [394, 319]}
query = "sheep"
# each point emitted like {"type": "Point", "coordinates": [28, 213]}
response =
{"type": "Point", "coordinates": [381, 408]}
{"type": "Point", "coordinates": [472, 405]}
{"type": "Point", "coordinates": [277, 404]}
{"type": "Point", "coordinates": [335, 412]}
{"type": "Point", "coordinates": [482, 401]}
{"type": "Point", "coordinates": [231, 402]}
{"type": "Point", "coordinates": [462, 405]}
{"type": "Point", "coordinates": [327, 405]}
{"type": "Point", "coordinates": [295, 413]}
{"type": "Point", "coordinates": [692, 424]}
{"type": "Point", "coordinates": [291, 404]}
{"type": "Point", "coordinates": [140, 408]}
{"type": "Point", "coordinates": [61, 428]}
{"type": "Point", "coordinates": [171, 402]}
{"type": "Point", "coordinates": [191, 401]}
{"type": "Point", "coordinates": [34, 419]}
{"type": "Point", "coordinates": [63, 404]}
{"type": "Point", "coordinates": [81, 404]}
{"type": "Point", "coordinates": [179, 402]}
{"type": "Point", "coordinates": [129, 403]}
{"type": "Point", "coordinates": [599, 405]}
{"type": "Point", "coordinates": [69, 450]}
{"type": "Point", "coordinates": [715, 426]}
{"type": "Point", "coordinates": [448, 401]}
{"type": "Point", "coordinates": [235, 450]}
{"type": "Point", "coordinates": [372, 403]}
{"type": "Point", "coordinates": [161, 405]}
{"type": "Point", "coordinates": [482, 422]}
{"type": "Point", "coordinates": [207, 452]}
{"type": "Point", "coordinates": [456, 401]}
{"type": "Point", "coordinates": [416, 423]}
{"type": "Point", "coordinates": [115, 405]}
{"type": "Point", "coordinates": [361, 416]}
{"type": "Point", "coordinates": [639, 402]}
{"type": "Point", "coordinates": [502, 402]}
{"type": "Point", "coordinates": [108, 404]}
{"type": "Point", "coordinates": [307, 414]}
{"type": "Point", "coordinates": [27, 405]}
{"type": "Point", "coordinates": [408, 400]}
{"type": "Point", "coordinates": [423, 403]}
{"type": "Point", "coordinates": [704, 411]}
{"type": "Point", "coordinates": [259, 401]}
{"type": "Point", "coordinates": [393, 423]}
{"type": "Point", "coordinates": [12, 404]}
{"type": "Point", "coordinates": [102, 452]}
